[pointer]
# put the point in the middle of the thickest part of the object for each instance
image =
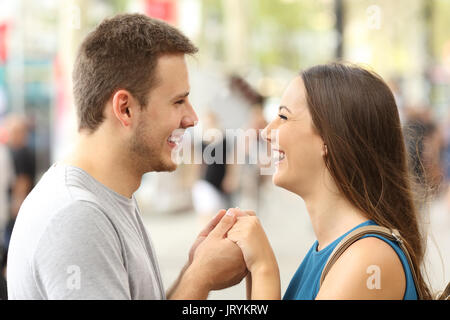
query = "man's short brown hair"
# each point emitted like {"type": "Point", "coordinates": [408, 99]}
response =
{"type": "Point", "coordinates": [121, 53]}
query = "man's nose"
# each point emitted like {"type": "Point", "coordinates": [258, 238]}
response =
{"type": "Point", "coordinates": [190, 119]}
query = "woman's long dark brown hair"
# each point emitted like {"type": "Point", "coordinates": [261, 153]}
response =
{"type": "Point", "coordinates": [355, 113]}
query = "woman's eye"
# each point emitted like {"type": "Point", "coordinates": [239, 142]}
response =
{"type": "Point", "coordinates": [179, 102]}
{"type": "Point", "coordinates": [282, 117]}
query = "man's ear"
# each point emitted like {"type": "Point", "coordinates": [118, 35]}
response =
{"type": "Point", "coordinates": [122, 101]}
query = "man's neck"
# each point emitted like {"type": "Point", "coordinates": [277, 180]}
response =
{"type": "Point", "coordinates": [106, 164]}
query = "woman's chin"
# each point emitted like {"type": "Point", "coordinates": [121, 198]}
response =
{"type": "Point", "coordinates": [284, 181]}
{"type": "Point", "coordinates": [278, 180]}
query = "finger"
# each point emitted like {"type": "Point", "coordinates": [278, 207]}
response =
{"type": "Point", "coordinates": [237, 230]}
{"type": "Point", "coordinates": [233, 235]}
{"type": "Point", "coordinates": [238, 212]}
{"type": "Point", "coordinates": [213, 223]}
{"type": "Point", "coordinates": [224, 225]}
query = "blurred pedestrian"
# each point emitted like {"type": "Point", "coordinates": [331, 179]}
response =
{"type": "Point", "coordinates": [17, 127]}
{"type": "Point", "coordinates": [7, 178]}
{"type": "Point", "coordinates": [425, 143]}
{"type": "Point", "coordinates": [250, 180]}
{"type": "Point", "coordinates": [446, 158]}
{"type": "Point", "coordinates": [211, 192]}
{"type": "Point", "coordinates": [257, 154]}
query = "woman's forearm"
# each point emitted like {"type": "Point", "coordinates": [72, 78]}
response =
{"type": "Point", "coordinates": [248, 286]}
{"type": "Point", "coordinates": [265, 284]}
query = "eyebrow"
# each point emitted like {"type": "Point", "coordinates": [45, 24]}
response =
{"type": "Point", "coordinates": [284, 107]}
{"type": "Point", "coordinates": [181, 95]}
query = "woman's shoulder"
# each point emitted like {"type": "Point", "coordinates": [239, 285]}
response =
{"type": "Point", "coordinates": [369, 269]}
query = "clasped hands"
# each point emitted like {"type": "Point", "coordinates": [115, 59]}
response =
{"type": "Point", "coordinates": [232, 245]}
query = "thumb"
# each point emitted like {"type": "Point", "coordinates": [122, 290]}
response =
{"type": "Point", "coordinates": [224, 225]}
{"type": "Point", "coordinates": [212, 224]}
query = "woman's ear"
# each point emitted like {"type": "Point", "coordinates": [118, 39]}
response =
{"type": "Point", "coordinates": [121, 104]}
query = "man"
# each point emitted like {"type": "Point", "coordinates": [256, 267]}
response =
{"type": "Point", "coordinates": [79, 234]}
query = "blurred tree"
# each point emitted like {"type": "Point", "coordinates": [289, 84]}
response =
{"type": "Point", "coordinates": [291, 34]}
{"type": "Point", "coordinates": [287, 34]}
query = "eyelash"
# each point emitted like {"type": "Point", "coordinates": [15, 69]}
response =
{"type": "Point", "coordinates": [282, 117]}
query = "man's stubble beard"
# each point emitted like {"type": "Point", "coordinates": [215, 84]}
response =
{"type": "Point", "coordinates": [146, 156]}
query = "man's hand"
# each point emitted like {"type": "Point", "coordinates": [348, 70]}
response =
{"type": "Point", "coordinates": [217, 262]}
{"type": "Point", "coordinates": [211, 225]}
{"type": "Point", "coordinates": [204, 233]}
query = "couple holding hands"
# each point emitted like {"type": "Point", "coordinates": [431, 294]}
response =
{"type": "Point", "coordinates": [339, 146]}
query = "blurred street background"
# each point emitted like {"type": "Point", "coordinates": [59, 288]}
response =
{"type": "Point", "coordinates": [248, 52]}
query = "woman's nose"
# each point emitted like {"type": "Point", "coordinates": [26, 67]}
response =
{"type": "Point", "coordinates": [266, 133]}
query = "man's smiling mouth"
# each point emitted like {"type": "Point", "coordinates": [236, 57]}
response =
{"type": "Point", "coordinates": [175, 139]}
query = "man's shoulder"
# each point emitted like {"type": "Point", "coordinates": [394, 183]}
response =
{"type": "Point", "coordinates": [77, 224]}
{"type": "Point", "coordinates": [79, 209]}
{"type": "Point", "coordinates": [55, 205]}
{"type": "Point", "coordinates": [60, 187]}
{"type": "Point", "coordinates": [77, 235]}
{"type": "Point", "coordinates": [76, 217]}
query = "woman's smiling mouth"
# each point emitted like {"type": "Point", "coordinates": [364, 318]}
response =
{"type": "Point", "coordinates": [278, 155]}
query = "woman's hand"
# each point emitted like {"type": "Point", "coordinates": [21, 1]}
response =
{"type": "Point", "coordinates": [264, 279]}
{"type": "Point", "coordinates": [249, 235]}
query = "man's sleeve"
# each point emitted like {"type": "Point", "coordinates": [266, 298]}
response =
{"type": "Point", "coordinates": [79, 256]}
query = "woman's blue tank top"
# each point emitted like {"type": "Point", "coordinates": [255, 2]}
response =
{"type": "Point", "coordinates": [305, 283]}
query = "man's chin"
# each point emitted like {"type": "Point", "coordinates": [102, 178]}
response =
{"type": "Point", "coordinates": [171, 168]}
{"type": "Point", "coordinates": [165, 167]}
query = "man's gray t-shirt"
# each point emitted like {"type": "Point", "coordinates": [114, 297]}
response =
{"type": "Point", "coordinates": [76, 239]}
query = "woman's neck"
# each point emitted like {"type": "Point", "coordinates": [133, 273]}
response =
{"type": "Point", "coordinates": [331, 215]}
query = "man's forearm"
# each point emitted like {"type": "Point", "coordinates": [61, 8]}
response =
{"type": "Point", "coordinates": [174, 286]}
{"type": "Point", "coordinates": [188, 287]}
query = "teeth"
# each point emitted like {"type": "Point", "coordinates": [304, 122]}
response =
{"type": "Point", "coordinates": [278, 155]}
{"type": "Point", "coordinates": [175, 139]}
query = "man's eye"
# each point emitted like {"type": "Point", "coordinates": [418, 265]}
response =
{"type": "Point", "coordinates": [282, 117]}
{"type": "Point", "coordinates": [179, 102]}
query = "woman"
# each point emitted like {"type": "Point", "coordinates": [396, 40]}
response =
{"type": "Point", "coordinates": [340, 147]}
